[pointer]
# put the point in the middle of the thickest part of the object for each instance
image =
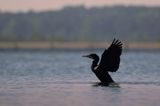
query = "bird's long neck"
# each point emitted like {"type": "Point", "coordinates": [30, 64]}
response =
{"type": "Point", "coordinates": [95, 64]}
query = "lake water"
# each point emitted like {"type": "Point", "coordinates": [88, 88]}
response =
{"type": "Point", "coordinates": [64, 78]}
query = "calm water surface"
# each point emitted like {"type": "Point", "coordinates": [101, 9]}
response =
{"type": "Point", "coordinates": [64, 78]}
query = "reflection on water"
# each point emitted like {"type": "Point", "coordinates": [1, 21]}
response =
{"type": "Point", "coordinates": [59, 78]}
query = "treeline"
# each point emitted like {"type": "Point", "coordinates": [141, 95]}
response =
{"type": "Point", "coordinates": [81, 24]}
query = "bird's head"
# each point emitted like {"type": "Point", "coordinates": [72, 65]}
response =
{"type": "Point", "coordinates": [92, 56]}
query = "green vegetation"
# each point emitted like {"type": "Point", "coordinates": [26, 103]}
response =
{"type": "Point", "coordinates": [81, 24]}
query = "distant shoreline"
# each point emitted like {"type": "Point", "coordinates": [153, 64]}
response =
{"type": "Point", "coordinates": [74, 45]}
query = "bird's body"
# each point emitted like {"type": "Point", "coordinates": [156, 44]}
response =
{"type": "Point", "coordinates": [109, 62]}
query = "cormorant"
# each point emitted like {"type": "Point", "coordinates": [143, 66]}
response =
{"type": "Point", "coordinates": [110, 61]}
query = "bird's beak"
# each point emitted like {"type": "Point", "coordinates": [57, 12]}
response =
{"type": "Point", "coordinates": [86, 56]}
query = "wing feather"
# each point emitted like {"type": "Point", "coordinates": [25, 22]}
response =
{"type": "Point", "coordinates": [110, 58]}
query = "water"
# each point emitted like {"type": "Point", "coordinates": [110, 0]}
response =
{"type": "Point", "coordinates": [64, 78]}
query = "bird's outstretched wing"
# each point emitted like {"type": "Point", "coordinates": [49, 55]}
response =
{"type": "Point", "coordinates": [110, 58]}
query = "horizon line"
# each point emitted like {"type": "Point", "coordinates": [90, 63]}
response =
{"type": "Point", "coordinates": [80, 5]}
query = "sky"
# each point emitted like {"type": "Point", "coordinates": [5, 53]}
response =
{"type": "Point", "coordinates": [44, 5]}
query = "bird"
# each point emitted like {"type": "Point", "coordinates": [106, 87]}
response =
{"type": "Point", "coordinates": [110, 61]}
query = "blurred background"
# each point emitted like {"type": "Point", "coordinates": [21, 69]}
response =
{"type": "Point", "coordinates": [42, 43]}
{"type": "Point", "coordinates": [79, 24]}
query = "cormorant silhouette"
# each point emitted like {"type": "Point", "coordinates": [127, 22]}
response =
{"type": "Point", "coordinates": [110, 61]}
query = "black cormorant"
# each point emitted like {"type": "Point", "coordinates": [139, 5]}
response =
{"type": "Point", "coordinates": [110, 61]}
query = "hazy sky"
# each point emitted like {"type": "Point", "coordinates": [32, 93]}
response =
{"type": "Point", "coordinates": [38, 5]}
